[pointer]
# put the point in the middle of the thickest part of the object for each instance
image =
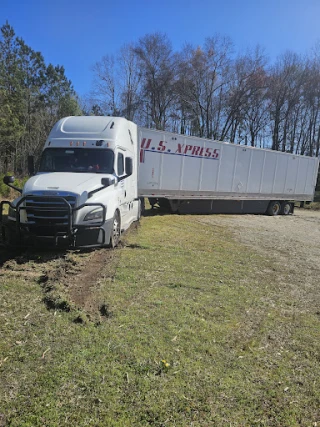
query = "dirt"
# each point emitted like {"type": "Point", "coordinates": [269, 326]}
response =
{"type": "Point", "coordinates": [291, 242]}
{"type": "Point", "coordinates": [69, 279]}
{"type": "Point", "coordinates": [295, 239]}
{"type": "Point", "coordinates": [82, 288]}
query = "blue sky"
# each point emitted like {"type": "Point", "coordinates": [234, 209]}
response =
{"type": "Point", "coordinates": [77, 33]}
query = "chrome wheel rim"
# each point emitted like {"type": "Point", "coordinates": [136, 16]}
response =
{"type": "Point", "coordinates": [116, 231]}
{"type": "Point", "coordinates": [275, 209]}
{"type": "Point", "coordinates": [286, 209]}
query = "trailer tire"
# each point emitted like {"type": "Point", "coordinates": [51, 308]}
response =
{"type": "Point", "coordinates": [274, 208]}
{"type": "Point", "coordinates": [286, 208]}
{"type": "Point", "coordinates": [115, 231]}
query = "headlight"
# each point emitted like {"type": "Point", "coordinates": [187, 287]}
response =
{"type": "Point", "coordinates": [95, 215]}
{"type": "Point", "coordinates": [11, 213]}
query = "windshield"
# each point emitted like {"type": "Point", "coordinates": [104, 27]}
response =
{"type": "Point", "coordinates": [77, 160]}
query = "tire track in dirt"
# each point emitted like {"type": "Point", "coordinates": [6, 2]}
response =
{"type": "Point", "coordinates": [70, 280]}
{"type": "Point", "coordinates": [83, 288]}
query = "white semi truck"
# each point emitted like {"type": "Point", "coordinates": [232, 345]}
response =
{"type": "Point", "coordinates": [95, 172]}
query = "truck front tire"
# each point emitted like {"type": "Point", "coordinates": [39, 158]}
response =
{"type": "Point", "coordinates": [115, 231]}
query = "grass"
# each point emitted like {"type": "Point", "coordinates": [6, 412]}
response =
{"type": "Point", "coordinates": [6, 191]}
{"type": "Point", "coordinates": [315, 205]}
{"type": "Point", "coordinates": [201, 331]}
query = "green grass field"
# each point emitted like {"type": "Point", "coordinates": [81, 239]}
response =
{"type": "Point", "coordinates": [315, 205]}
{"type": "Point", "coordinates": [197, 332]}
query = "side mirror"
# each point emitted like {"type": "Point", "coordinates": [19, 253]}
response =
{"type": "Point", "coordinates": [106, 182]}
{"type": "Point", "coordinates": [8, 179]}
{"type": "Point", "coordinates": [128, 166]}
{"type": "Point", "coordinates": [31, 165]}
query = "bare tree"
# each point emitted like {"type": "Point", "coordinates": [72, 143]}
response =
{"type": "Point", "coordinates": [130, 83]}
{"type": "Point", "coordinates": [106, 91]}
{"type": "Point", "coordinates": [285, 84]}
{"type": "Point", "coordinates": [201, 78]}
{"type": "Point", "coordinates": [157, 70]}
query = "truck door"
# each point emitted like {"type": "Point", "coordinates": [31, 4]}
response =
{"type": "Point", "coordinates": [122, 188]}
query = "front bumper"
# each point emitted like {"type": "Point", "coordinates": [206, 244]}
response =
{"type": "Point", "coordinates": [52, 223]}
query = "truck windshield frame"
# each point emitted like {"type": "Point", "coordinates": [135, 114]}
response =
{"type": "Point", "coordinates": [79, 160]}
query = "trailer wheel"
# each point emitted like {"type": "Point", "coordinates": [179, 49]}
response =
{"type": "Point", "coordinates": [116, 231]}
{"type": "Point", "coordinates": [274, 208]}
{"type": "Point", "coordinates": [286, 208]}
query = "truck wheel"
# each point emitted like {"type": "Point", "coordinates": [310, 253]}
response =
{"type": "Point", "coordinates": [142, 207]}
{"type": "Point", "coordinates": [274, 208]}
{"type": "Point", "coordinates": [116, 231]}
{"type": "Point", "coordinates": [285, 208]}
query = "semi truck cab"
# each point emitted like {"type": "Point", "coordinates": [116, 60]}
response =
{"type": "Point", "coordinates": [84, 193]}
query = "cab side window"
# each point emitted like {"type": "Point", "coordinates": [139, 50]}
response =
{"type": "Point", "coordinates": [120, 164]}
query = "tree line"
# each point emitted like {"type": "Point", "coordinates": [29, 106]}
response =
{"type": "Point", "coordinates": [209, 92]}
{"type": "Point", "coordinates": [33, 96]}
{"type": "Point", "coordinates": [204, 91]}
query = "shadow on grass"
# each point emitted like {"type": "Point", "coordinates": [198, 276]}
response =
{"type": "Point", "coordinates": [22, 255]}
{"type": "Point", "coordinates": [133, 246]}
{"type": "Point", "coordinates": [157, 211]}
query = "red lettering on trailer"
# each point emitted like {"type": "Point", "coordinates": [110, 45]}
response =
{"type": "Point", "coordinates": [190, 150]}
{"type": "Point", "coordinates": [179, 149]}
{"type": "Point", "coordinates": [208, 152]}
{"type": "Point", "coordinates": [141, 156]}
{"type": "Point", "coordinates": [145, 144]}
{"type": "Point", "coordinates": [195, 150]}
{"type": "Point", "coordinates": [215, 153]}
{"type": "Point", "coordinates": [161, 146]}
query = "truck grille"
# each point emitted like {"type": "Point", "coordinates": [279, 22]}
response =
{"type": "Point", "coordinates": [49, 212]}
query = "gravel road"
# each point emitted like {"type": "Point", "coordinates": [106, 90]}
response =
{"type": "Point", "coordinates": [295, 238]}
{"type": "Point", "coordinates": [292, 243]}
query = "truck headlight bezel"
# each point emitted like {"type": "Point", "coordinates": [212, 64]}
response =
{"type": "Point", "coordinates": [94, 215]}
{"type": "Point", "coordinates": [12, 213]}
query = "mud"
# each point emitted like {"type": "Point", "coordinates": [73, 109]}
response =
{"type": "Point", "coordinates": [69, 280]}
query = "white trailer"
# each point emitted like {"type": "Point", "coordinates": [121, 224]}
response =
{"type": "Point", "coordinates": [95, 171]}
{"type": "Point", "coordinates": [200, 175]}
